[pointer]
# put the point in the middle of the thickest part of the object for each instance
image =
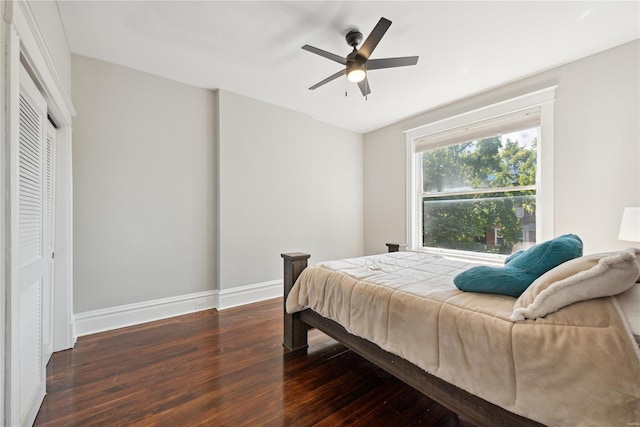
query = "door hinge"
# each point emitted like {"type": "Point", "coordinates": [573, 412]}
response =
{"type": "Point", "coordinates": [53, 255]}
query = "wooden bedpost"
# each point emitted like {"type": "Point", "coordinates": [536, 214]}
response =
{"type": "Point", "coordinates": [395, 247]}
{"type": "Point", "coordinates": [295, 330]}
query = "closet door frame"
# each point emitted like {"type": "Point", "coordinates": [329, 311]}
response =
{"type": "Point", "coordinates": [22, 42]}
{"type": "Point", "coordinates": [3, 208]}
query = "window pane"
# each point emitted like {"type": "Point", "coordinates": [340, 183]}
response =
{"type": "Point", "coordinates": [503, 161]}
{"type": "Point", "coordinates": [500, 223]}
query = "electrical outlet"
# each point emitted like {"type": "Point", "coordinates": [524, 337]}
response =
{"type": "Point", "coordinates": [201, 303]}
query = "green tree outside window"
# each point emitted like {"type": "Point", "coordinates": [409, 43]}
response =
{"type": "Point", "coordinates": [460, 208]}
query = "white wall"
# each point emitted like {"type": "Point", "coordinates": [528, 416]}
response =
{"type": "Point", "coordinates": [144, 187]}
{"type": "Point", "coordinates": [286, 183]}
{"type": "Point", "coordinates": [336, 190]}
{"type": "Point", "coordinates": [384, 195]}
{"type": "Point", "coordinates": [264, 196]}
{"type": "Point", "coordinates": [596, 150]}
{"type": "Point", "coordinates": [50, 24]}
{"type": "Point", "coordinates": [147, 174]}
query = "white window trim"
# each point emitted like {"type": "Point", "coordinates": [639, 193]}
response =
{"type": "Point", "coordinates": [543, 98]}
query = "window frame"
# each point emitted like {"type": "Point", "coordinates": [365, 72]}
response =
{"type": "Point", "coordinates": [544, 99]}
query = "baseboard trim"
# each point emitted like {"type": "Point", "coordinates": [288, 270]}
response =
{"type": "Point", "coordinates": [91, 322]}
{"type": "Point", "coordinates": [248, 294]}
{"type": "Point", "coordinates": [106, 319]}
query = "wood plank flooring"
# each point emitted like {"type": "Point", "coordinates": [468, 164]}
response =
{"type": "Point", "coordinates": [225, 368]}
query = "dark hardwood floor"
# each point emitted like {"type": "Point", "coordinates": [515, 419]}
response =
{"type": "Point", "coordinates": [225, 368]}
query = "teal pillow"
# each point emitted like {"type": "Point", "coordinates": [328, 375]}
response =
{"type": "Point", "coordinates": [513, 256]}
{"type": "Point", "coordinates": [520, 269]}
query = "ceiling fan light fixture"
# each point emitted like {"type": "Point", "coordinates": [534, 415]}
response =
{"type": "Point", "coordinates": [356, 72]}
{"type": "Point", "coordinates": [358, 63]}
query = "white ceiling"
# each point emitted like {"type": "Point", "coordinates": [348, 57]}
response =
{"type": "Point", "coordinates": [254, 48]}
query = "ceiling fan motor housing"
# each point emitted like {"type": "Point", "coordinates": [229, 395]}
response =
{"type": "Point", "coordinates": [353, 38]}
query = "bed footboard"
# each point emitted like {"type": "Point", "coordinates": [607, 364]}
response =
{"type": "Point", "coordinates": [295, 329]}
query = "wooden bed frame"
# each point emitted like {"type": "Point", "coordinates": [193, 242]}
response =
{"type": "Point", "coordinates": [466, 405]}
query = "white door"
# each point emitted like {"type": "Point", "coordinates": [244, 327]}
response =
{"type": "Point", "coordinates": [29, 364]}
{"type": "Point", "coordinates": [49, 236]}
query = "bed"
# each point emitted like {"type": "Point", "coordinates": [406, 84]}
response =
{"type": "Point", "coordinates": [577, 366]}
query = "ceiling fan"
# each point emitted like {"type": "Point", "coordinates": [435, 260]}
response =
{"type": "Point", "coordinates": [357, 63]}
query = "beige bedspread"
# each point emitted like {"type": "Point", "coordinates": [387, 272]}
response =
{"type": "Point", "coordinates": [576, 367]}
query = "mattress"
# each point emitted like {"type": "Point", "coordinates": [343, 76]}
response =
{"type": "Point", "coordinates": [578, 366]}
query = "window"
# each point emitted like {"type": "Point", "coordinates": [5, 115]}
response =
{"type": "Point", "coordinates": [480, 195]}
{"type": "Point", "coordinates": [475, 180]}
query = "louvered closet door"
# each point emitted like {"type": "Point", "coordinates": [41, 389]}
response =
{"type": "Point", "coordinates": [32, 257]}
{"type": "Point", "coordinates": [49, 222]}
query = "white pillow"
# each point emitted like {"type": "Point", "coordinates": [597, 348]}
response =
{"type": "Point", "coordinates": [579, 279]}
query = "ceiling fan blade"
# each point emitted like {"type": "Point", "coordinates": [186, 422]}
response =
{"type": "Point", "coordinates": [374, 38]}
{"type": "Point", "coordinates": [328, 79]}
{"type": "Point", "coordinates": [364, 87]}
{"type": "Point", "coordinates": [324, 53]}
{"type": "Point", "coordinates": [376, 64]}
